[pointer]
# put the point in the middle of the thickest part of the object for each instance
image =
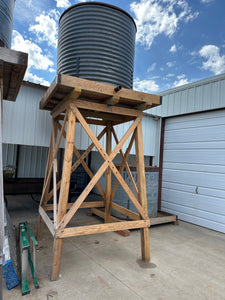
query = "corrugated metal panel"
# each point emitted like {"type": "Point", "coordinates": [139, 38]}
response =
{"type": "Point", "coordinates": [32, 161]}
{"type": "Point", "coordinates": [97, 42]}
{"type": "Point", "coordinates": [194, 168]}
{"type": "Point", "coordinates": [26, 124]}
{"type": "Point", "coordinates": [23, 122]}
{"type": "Point", "coordinates": [9, 154]}
{"type": "Point", "coordinates": [198, 96]}
{"type": "Point", "coordinates": [6, 22]}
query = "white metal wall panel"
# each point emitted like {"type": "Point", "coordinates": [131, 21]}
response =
{"type": "Point", "coordinates": [23, 122]}
{"type": "Point", "coordinates": [202, 95]}
{"type": "Point", "coordinates": [9, 154]}
{"type": "Point", "coordinates": [26, 124]}
{"type": "Point", "coordinates": [32, 161]}
{"type": "Point", "coordinates": [193, 183]}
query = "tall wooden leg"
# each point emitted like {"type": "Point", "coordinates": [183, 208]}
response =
{"type": "Point", "coordinates": [108, 177]}
{"type": "Point", "coordinates": [142, 197]}
{"type": "Point", "coordinates": [57, 248]}
{"type": "Point", "coordinates": [40, 228]}
{"type": "Point", "coordinates": [64, 191]}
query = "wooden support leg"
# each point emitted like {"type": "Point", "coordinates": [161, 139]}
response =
{"type": "Point", "coordinates": [64, 191]}
{"type": "Point", "coordinates": [142, 197]}
{"type": "Point", "coordinates": [40, 228]}
{"type": "Point", "coordinates": [108, 177]}
{"type": "Point", "coordinates": [57, 254]}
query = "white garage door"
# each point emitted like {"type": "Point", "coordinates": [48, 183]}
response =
{"type": "Point", "coordinates": [193, 183]}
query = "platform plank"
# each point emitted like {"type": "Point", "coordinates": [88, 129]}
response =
{"type": "Point", "coordinates": [14, 64]}
{"type": "Point", "coordinates": [96, 92]}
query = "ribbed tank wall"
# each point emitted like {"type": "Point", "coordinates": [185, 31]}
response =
{"type": "Point", "coordinates": [6, 22]}
{"type": "Point", "coordinates": [96, 42]}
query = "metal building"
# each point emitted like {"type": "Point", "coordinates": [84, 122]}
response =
{"type": "Point", "coordinates": [192, 181]}
{"type": "Point", "coordinates": [30, 128]}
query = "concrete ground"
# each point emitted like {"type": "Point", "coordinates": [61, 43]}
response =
{"type": "Point", "coordinates": [188, 262]}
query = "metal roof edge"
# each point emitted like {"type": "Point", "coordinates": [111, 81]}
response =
{"type": "Point", "coordinates": [29, 83]}
{"type": "Point", "coordinates": [193, 84]}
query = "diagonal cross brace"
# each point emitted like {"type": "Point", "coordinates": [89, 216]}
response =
{"type": "Point", "coordinates": [125, 164]}
{"type": "Point", "coordinates": [107, 163]}
{"type": "Point", "coordinates": [80, 161]}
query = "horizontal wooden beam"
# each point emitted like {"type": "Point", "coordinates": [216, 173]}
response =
{"type": "Point", "coordinates": [104, 108]}
{"type": "Point", "coordinates": [107, 227]}
{"type": "Point", "coordinates": [142, 106]}
{"type": "Point", "coordinates": [113, 100]}
{"type": "Point", "coordinates": [13, 57]}
{"type": "Point", "coordinates": [63, 105]}
{"type": "Point", "coordinates": [98, 88]}
{"type": "Point", "coordinates": [163, 219]}
{"type": "Point", "coordinates": [83, 205]}
{"type": "Point", "coordinates": [47, 220]}
{"type": "Point", "coordinates": [101, 214]}
{"type": "Point", "coordinates": [125, 211]}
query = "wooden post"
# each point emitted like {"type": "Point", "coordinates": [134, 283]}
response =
{"type": "Point", "coordinates": [55, 129]}
{"type": "Point", "coordinates": [145, 246]}
{"type": "Point", "coordinates": [64, 191]}
{"type": "Point", "coordinates": [108, 176]}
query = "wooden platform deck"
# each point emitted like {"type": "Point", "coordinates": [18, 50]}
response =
{"type": "Point", "coordinates": [13, 66]}
{"type": "Point", "coordinates": [96, 92]}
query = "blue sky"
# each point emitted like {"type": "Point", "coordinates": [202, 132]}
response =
{"type": "Point", "coordinates": [177, 42]}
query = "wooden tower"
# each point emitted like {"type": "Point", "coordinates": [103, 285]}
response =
{"type": "Point", "coordinates": [73, 100]}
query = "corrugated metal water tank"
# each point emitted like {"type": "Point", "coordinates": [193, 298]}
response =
{"type": "Point", "coordinates": [6, 22]}
{"type": "Point", "coordinates": [97, 42]}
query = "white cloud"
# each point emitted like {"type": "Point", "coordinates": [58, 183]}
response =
{"type": "Point", "coordinates": [36, 58]}
{"type": "Point", "coordinates": [152, 67]}
{"type": "Point", "coordinates": [181, 80]}
{"type": "Point", "coordinates": [46, 27]}
{"type": "Point", "coordinates": [34, 78]}
{"type": "Point", "coordinates": [155, 17]}
{"type": "Point", "coordinates": [206, 1]}
{"type": "Point", "coordinates": [52, 70]}
{"type": "Point", "coordinates": [170, 64]}
{"type": "Point", "coordinates": [63, 3]}
{"type": "Point", "coordinates": [213, 60]}
{"type": "Point", "coordinates": [170, 75]}
{"type": "Point", "coordinates": [145, 85]}
{"type": "Point", "coordinates": [173, 48]}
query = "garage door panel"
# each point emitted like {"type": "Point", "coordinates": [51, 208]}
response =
{"type": "Point", "coordinates": [199, 221]}
{"type": "Point", "coordinates": [196, 201]}
{"type": "Point", "coordinates": [195, 167]}
{"type": "Point", "coordinates": [196, 123]}
{"type": "Point", "coordinates": [195, 117]}
{"type": "Point", "coordinates": [195, 212]}
{"type": "Point", "coordinates": [203, 134]}
{"type": "Point", "coordinates": [195, 145]}
{"type": "Point", "coordinates": [212, 192]}
{"type": "Point", "coordinates": [216, 181]}
{"type": "Point", "coordinates": [195, 156]}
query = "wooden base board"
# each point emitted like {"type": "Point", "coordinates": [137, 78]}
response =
{"type": "Point", "coordinates": [162, 218]}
